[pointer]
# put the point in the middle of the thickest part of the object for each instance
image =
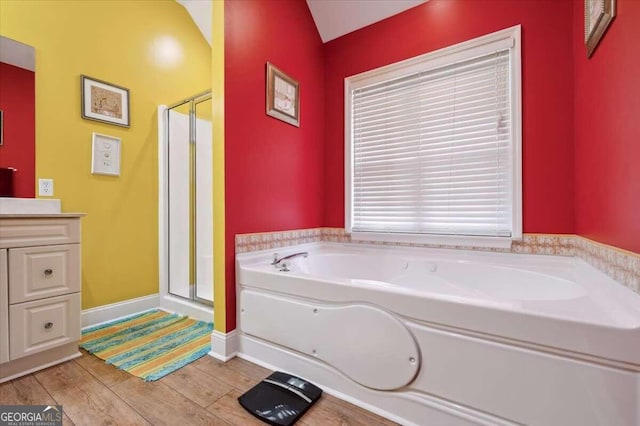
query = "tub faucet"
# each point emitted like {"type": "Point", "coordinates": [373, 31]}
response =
{"type": "Point", "coordinates": [281, 262]}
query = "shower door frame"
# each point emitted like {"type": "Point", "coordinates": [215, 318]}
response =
{"type": "Point", "coordinates": [202, 308]}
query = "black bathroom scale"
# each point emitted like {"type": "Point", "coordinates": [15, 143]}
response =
{"type": "Point", "coordinates": [280, 399]}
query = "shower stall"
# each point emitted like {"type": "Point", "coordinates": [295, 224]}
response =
{"type": "Point", "coordinates": [186, 206]}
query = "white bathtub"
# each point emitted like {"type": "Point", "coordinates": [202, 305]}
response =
{"type": "Point", "coordinates": [441, 337]}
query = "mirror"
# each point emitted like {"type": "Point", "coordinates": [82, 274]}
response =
{"type": "Point", "coordinates": [18, 124]}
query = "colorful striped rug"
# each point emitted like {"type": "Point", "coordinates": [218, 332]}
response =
{"type": "Point", "coordinates": [149, 345]}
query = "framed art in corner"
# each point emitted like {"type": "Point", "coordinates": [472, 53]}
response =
{"type": "Point", "coordinates": [598, 14]}
{"type": "Point", "coordinates": [283, 96]}
{"type": "Point", "coordinates": [106, 102]}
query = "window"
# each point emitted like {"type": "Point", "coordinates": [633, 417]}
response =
{"type": "Point", "coordinates": [433, 146]}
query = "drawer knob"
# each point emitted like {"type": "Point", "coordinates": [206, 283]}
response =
{"type": "Point", "coordinates": [48, 325]}
{"type": "Point", "coordinates": [48, 272]}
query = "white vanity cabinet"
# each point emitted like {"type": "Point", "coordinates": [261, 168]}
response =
{"type": "Point", "coordinates": [4, 308]}
{"type": "Point", "coordinates": [39, 291]}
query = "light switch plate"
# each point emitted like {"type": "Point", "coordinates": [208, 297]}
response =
{"type": "Point", "coordinates": [105, 155]}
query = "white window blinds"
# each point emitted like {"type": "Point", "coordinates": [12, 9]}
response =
{"type": "Point", "coordinates": [432, 152]}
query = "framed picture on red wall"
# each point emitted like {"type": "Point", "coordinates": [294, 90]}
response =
{"type": "Point", "coordinates": [283, 96]}
{"type": "Point", "coordinates": [598, 14]}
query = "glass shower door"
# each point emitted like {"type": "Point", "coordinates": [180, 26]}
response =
{"type": "Point", "coordinates": [203, 201]}
{"type": "Point", "coordinates": [190, 205]}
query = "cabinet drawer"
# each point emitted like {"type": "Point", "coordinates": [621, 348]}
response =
{"type": "Point", "coordinates": [38, 272]}
{"type": "Point", "coordinates": [38, 232]}
{"type": "Point", "coordinates": [43, 324]}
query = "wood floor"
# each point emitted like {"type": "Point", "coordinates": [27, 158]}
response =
{"type": "Point", "coordinates": [204, 392]}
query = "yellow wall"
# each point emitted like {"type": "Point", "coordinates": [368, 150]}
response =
{"type": "Point", "coordinates": [123, 43]}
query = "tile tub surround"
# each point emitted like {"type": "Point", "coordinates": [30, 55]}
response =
{"type": "Point", "coordinates": [621, 265]}
{"type": "Point", "coordinates": [271, 240]}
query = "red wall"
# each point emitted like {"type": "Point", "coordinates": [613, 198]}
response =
{"type": "Point", "coordinates": [607, 130]}
{"type": "Point", "coordinates": [274, 171]}
{"type": "Point", "coordinates": [280, 177]}
{"type": "Point", "coordinates": [17, 100]}
{"type": "Point", "coordinates": [547, 85]}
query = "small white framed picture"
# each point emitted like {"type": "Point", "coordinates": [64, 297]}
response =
{"type": "Point", "coordinates": [105, 155]}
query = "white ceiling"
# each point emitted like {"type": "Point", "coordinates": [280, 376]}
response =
{"type": "Point", "coordinates": [333, 18]}
{"type": "Point", "coordinates": [200, 11]}
{"type": "Point", "coordinates": [17, 54]}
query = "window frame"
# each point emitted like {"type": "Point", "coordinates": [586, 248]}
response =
{"type": "Point", "coordinates": [507, 38]}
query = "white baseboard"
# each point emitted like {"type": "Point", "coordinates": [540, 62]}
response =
{"type": "Point", "coordinates": [224, 346]}
{"type": "Point", "coordinates": [105, 313]}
